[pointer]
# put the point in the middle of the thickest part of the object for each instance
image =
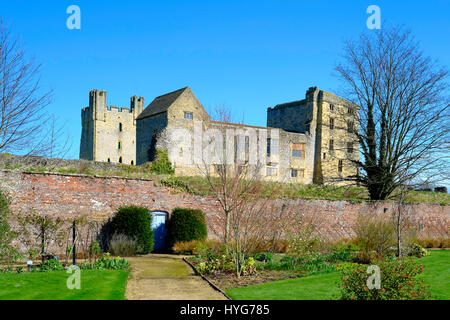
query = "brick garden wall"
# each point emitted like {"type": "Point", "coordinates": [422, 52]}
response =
{"type": "Point", "coordinates": [76, 195]}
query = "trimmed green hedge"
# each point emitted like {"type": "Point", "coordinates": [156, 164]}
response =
{"type": "Point", "coordinates": [186, 225]}
{"type": "Point", "coordinates": [134, 222]}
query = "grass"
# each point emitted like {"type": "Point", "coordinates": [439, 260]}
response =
{"type": "Point", "coordinates": [325, 286]}
{"type": "Point", "coordinates": [437, 273]}
{"type": "Point", "coordinates": [95, 285]}
{"type": "Point", "coordinates": [315, 287]}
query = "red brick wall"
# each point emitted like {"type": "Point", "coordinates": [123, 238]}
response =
{"type": "Point", "coordinates": [75, 195]}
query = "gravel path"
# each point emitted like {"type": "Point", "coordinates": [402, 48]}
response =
{"type": "Point", "coordinates": [166, 277]}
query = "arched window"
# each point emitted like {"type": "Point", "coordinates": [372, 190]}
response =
{"type": "Point", "coordinates": [120, 160]}
{"type": "Point", "coordinates": [132, 162]}
{"type": "Point", "coordinates": [109, 160]}
{"type": "Point", "coordinates": [120, 126]}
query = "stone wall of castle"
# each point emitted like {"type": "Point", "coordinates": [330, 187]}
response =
{"type": "Point", "coordinates": [312, 136]}
{"type": "Point", "coordinates": [109, 133]}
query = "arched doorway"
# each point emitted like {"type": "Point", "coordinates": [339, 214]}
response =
{"type": "Point", "coordinates": [159, 227]}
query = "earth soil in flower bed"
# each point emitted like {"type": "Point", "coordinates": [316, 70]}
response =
{"type": "Point", "coordinates": [228, 280]}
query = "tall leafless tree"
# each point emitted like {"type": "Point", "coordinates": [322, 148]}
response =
{"type": "Point", "coordinates": [22, 101]}
{"type": "Point", "coordinates": [404, 111]}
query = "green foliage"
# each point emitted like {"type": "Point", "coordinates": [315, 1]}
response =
{"type": "Point", "coordinates": [162, 165]}
{"type": "Point", "coordinates": [112, 263]}
{"type": "Point", "coordinates": [176, 183]}
{"type": "Point", "coordinates": [399, 281]}
{"type": "Point", "coordinates": [303, 241]}
{"type": "Point", "coordinates": [211, 263]}
{"type": "Point", "coordinates": [186, 225]}
{"type": "Point", "coordinates": [134, 222]}
{"type": "Point", "coordinates": [263, 257]}
{"type": "Point", "coordinates": [312, 263]}
{"type": "Point", "coordinates": [51, 265]}
{"type": "Point", "coordinates": [94, 249]}
{"type": "Point", "coordinates": [7, 252]}
{"type": "Point", "coordinates": [416, 250]}
{"type": "Point", "coordinates": [7, 269]}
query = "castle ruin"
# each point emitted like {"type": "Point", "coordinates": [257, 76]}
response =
{"type": "Point", "coordinates": [305, 141]}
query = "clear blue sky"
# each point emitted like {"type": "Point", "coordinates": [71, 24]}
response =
{"type": "Point", "coordinates": [245, 55]}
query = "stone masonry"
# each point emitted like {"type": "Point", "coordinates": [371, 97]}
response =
{"type": "Point", "coordinates": [69, 196]}
{"type": "Point", "coordinates": [305, 141]}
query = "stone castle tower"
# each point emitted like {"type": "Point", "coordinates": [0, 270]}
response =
{"type": "Point", "coordinates": [109, 133]}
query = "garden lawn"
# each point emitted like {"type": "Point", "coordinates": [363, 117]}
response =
{"type": "Point", "coordinates": [437, 273]}
{"type": "Point", "coordinates": [325, 286]}
{"type": "Point", "coordinates": [95, 285]}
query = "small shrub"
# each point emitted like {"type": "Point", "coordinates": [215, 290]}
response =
{"type": "Point", "coordinates": [8, 252]}
{"type": "Point", "coordinates": [134, 222]}
{"type": "Point", "coordinates": [399, 281]}
{"type": "Point", "coordinates": [433, 242]}
{"type": "Point", "coordinates": [176, 183]}
{"type": "Point", "coordinates": [186, 247]}
{"type": "Point", "coordinates": [122, 245]}
{"type": "Point", "coordinates": [7, 269]}
{"type": "Point", "coordinates": [416, 250]}
{"type": "Point", "coordinates": [186, 225]}
{"type": "Point", "coordinates": [303, 241]}
{"type": "Point", "coordinates": [375, 234]}
{"type": "Point", "coordinates": [208, 266]}
{"type": "Point", "coordinates": [94, 249]}
{"type": "Point", "coordinates": [350, 245]}
{"type": "Point", "coordinates": [111, 263]}
{"type": "Point", "coordinates": [263, 257]}
{"type": "Point", "coordinates": [161, 164]}
{"type": "Point", "coordinates": [51, 265]}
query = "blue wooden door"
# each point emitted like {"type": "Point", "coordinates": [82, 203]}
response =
{"type": "Point", "coordinates": [159, 219]}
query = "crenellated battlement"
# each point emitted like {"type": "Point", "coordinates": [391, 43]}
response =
{"type": "Point", "coordinates": [109, 131]}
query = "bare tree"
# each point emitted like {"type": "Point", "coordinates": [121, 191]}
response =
{"type": "Point", "coordinates": [22, 102]}
{"type": "Point", "coordinates": [57, 141]}
{"type": "Point", "coordinates": [221, 113]}
{"type": "Point", "coordinates": [404, 111]}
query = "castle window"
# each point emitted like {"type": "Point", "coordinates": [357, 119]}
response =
{"type": "Point", "coordinates": [188, 115]}
{"type": "Point", "coordinates": [331, 123]}
{"type": "Point", "coordinates": [350, 126]}
{"type": "Point", "coordinates": [270, 171]}
{"type": "Point", "coordinates": [120, 160]}
{"type": "Point", "coordinates": [120, 126]}
{"type": "Point", "coordinates": [324, 155]}
{"type": "Point", "coordinates": [298, 150]}
{"type": "Point", "coordinates": [340, 164]}
{"type": "Point", "coordinates": [350, 110]}
{"type": "Point", "coordinates": [132, 162]}
{"type": "Point", "coordinates": [350, 147]}
{"type": "Point", "coordinates": [247, 141]}
{"type": "Point", "coordinates": [109, 160]}
{"type": "Point", "coordinates": [331, 145]}
{"type": "Point", "coordinates": [268, 146]}
{"type": "Point", "coordinates": [118, 145]}
{"type": "Point", "coordinates": [294, 173]}
{"type": "Point", "coordinates": [296, 153]}
{"type": "Point", "coordinates": [331, 107]}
